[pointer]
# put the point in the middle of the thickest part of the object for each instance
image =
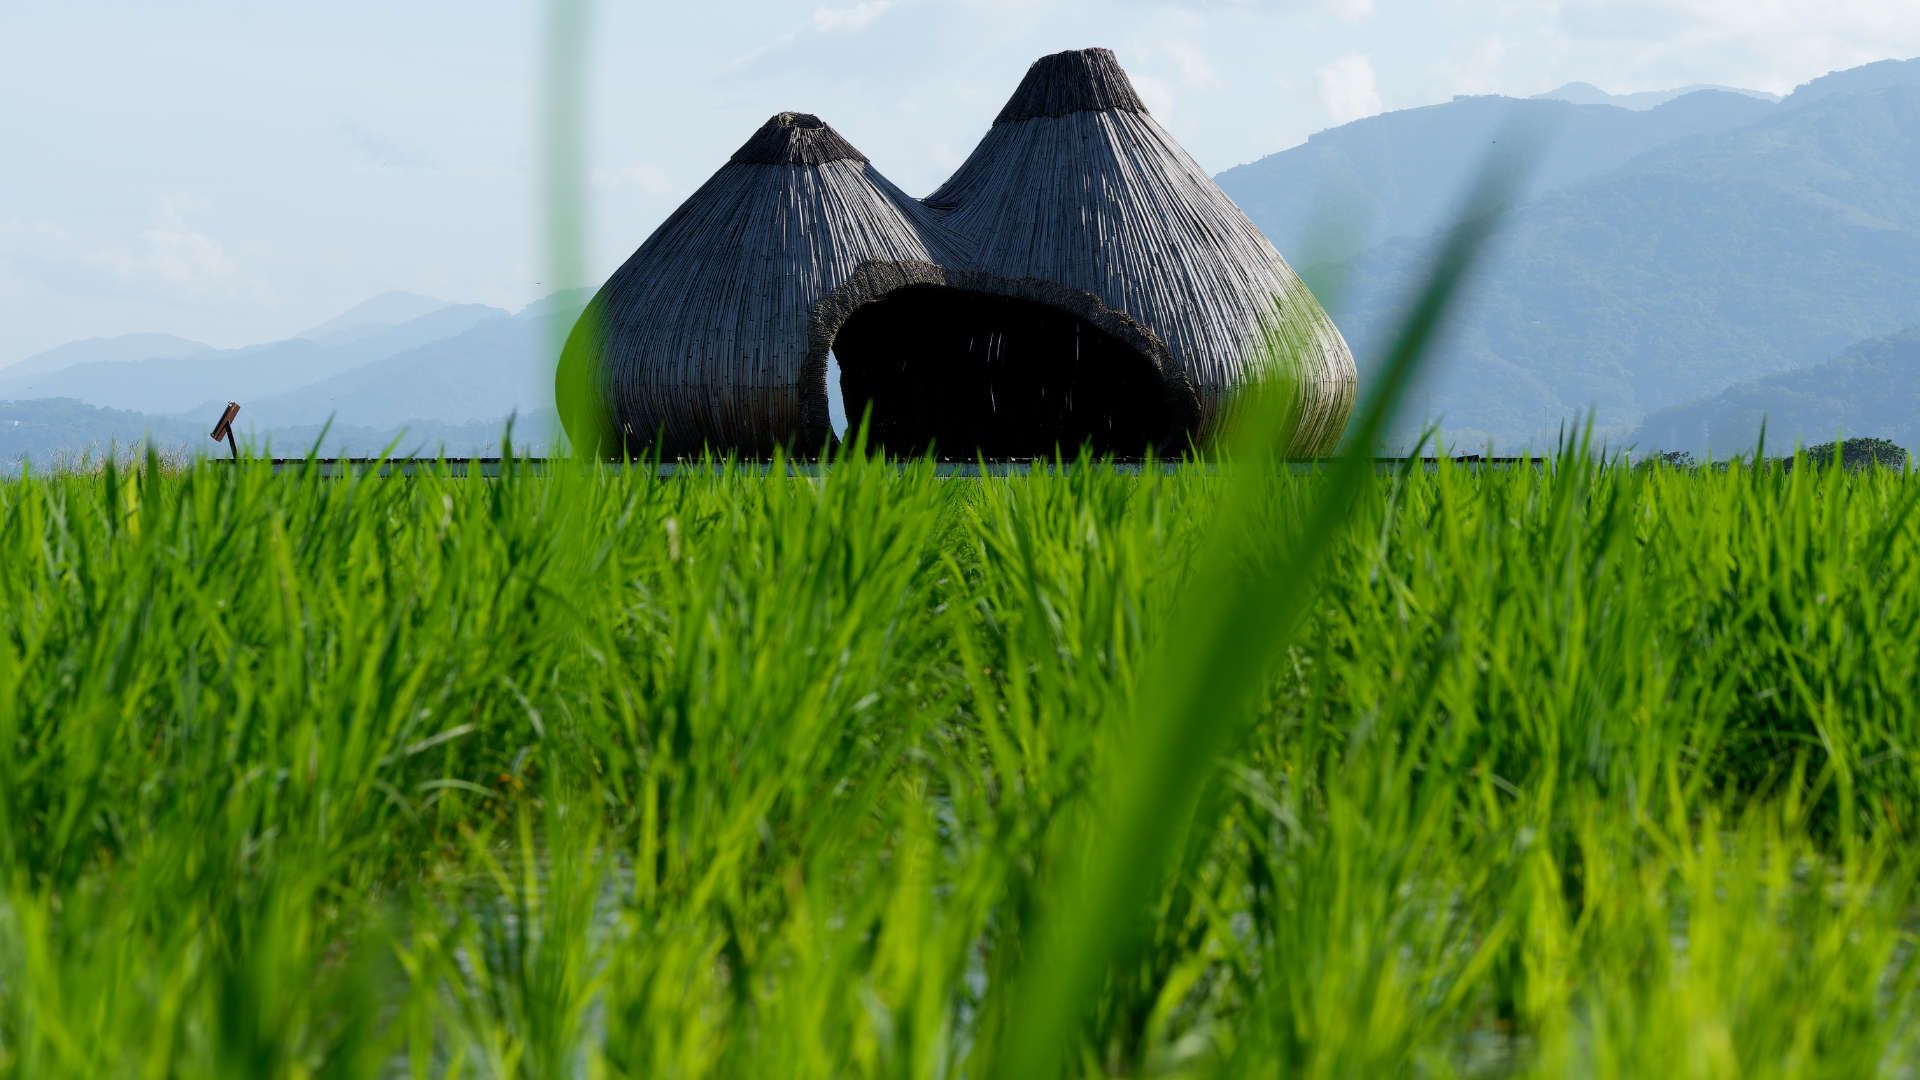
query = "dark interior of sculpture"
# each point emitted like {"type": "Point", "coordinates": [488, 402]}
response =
{"type": "Point", "coordinates": [966, 372]}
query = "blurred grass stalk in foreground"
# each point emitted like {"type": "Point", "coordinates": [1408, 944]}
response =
{"type": "Point", "coordinates": [1216, 655]}
{"type": "Point", "coordinates": [565, 121]}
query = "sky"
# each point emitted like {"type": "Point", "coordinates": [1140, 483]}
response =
{"type": "Point", "coordinates": [234, 172]}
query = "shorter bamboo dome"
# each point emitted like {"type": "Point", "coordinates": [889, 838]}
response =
{"type": "Point", "coordinates": [703, 333]}
{"type": "Point", "coordinates": [1079, 280]}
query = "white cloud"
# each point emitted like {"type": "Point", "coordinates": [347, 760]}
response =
{"type": "Point", "coordinates": [649, 180]}
{"type": "Point", "coordinates": [845, 20]}
{"type": "Point", "coordinates": [1736, 17]}
{"type": "Point", "coordinates": [1196, 71]}
{"type": "Point", "coordinates": [174, 252]}
{"type": "Point", "coordinates": [1481, 72]}
{"type": "Point", "coordinates": [172, 261]}
{"type": "Point", "coordinates": [1353, 11]}
{"type": "Point", "coordinates": [758, 53]}
{"type": "Point", "coordinates": [1157, 94]}
{"type": "Point", "coordinates": [850, 19]}
{"type": "Point", "coordinates": [381, 153]}
{"type": "Point", "coordinates": [945, 157]}
{"type": "Point", "coordinates": [25, 243]}
{"type": "Point", "coordinates": [34, 232]}
{"type": "Point", "coordinates": [1348, 88]}
{"type": "Point", "coordinates": [1767, 44]}
{"type": "Point", "coordinates": [1346, 10]}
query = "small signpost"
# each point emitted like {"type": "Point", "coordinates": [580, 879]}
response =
{"type": "Point", "coordinates": [224, 429]}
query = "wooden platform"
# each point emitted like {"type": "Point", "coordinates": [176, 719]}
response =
{"type": "Point", "coordinates": [487, 468]}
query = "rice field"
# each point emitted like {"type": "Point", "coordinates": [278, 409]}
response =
{"type": "Point", "coordinates": [1577, 769]}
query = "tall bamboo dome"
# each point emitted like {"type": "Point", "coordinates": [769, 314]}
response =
{"type": "Point", "coordinates": [701, 340]}
{"type": "Point", "coordinates": [1077, 184]}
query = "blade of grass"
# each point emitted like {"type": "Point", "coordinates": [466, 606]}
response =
{"type": "Point", "coordinates": [564, 158]}
{"type": "Point", "coordinates": [1218, 655]}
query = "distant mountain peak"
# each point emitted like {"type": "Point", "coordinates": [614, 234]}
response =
{"type": "Point", "coordinates": [1585, 93]}
{"type": "Point", "coordinates": [1578, 93]}
{"type": "Point", "coordinates": [386, 309]}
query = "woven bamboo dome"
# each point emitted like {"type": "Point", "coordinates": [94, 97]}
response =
{"type": "Point", "coordinates": [1080, 279]}
{"type": "Point", "coordinates": [1075, 183]}
{"type": "Point", "coordinates": [703, 332]}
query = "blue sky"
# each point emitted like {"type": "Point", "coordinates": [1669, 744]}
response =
{"type": "Point", "coordinates": [234, 172]}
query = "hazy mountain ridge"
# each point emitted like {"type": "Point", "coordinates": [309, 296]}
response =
{"type": "Point", "coordinates": [104, 350]}
{"type": "Point", "coordinates": [386, 309]}
{"type": "Point", "coordinates": [177, 383]}
{"type": "Point", "coordinates": [1872, 389]}
{"type": "Point", "coordinates": [1702, 263]}
{"type": "Point", "coordinates": [1585, 93]}
{"type": "Point", "coordinates": [494, 369]}
{"type": "Point", "coordinates": [448, 380]}
{"type": "Point", "coordinates": [1881, 75]}
{"type": "Point", "coordinates": [1402, 174]}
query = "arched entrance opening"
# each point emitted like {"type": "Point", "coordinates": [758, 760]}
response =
{"type": "Point", "coordinates": [967, 372]}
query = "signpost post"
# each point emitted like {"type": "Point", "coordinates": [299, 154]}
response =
{"type": "Point", "coordinates": [224, 429]}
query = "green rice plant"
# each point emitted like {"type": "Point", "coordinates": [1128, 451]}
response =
{"type": "Point", "coordinates": [1572, 767]}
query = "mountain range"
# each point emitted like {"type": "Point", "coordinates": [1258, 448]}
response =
{"type": "Point", "coordinates": [398, 369]}
{"type": "Point", "coordinates": [1656, 257]}
{"type": "Point", "coordinates": [1402, 174]}
{"type": "Point", "coordinates": [1677, 265]}
{"type": "Point", "coordinates": [1580, 93]}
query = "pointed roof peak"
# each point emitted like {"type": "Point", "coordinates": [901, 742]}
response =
{"type": "Point", "coordinates": [1079, 80]}
{"type": "Point", "coordinates": [795, 138]}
